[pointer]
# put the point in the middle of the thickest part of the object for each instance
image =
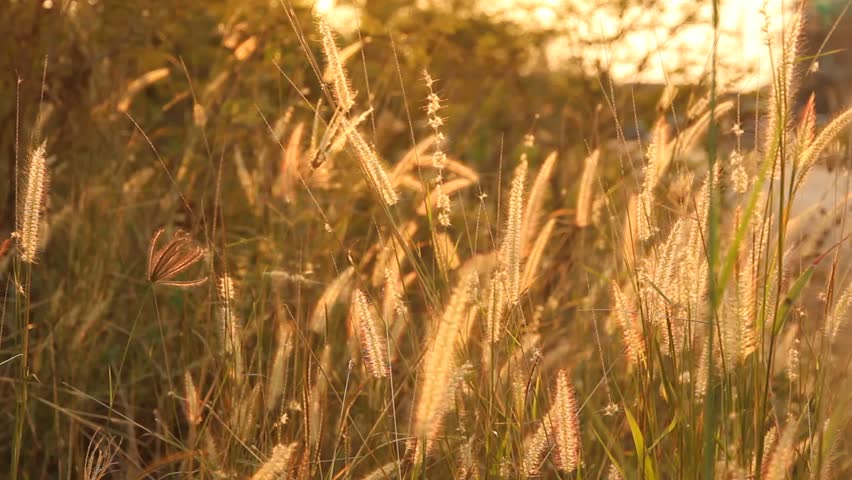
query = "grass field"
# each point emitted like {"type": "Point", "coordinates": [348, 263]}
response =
{"type": "Point", "coordinates": [321, 259]}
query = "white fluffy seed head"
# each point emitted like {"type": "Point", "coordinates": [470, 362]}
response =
{"type": "Point", "coordinates": [31, 205]}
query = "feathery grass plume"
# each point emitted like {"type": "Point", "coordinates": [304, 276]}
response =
{"type": "Point", "coordinates": [393, 301]}
{"type": "Point", "coordinates": [785, 83]}
{"type": "Point", "coordinates": [645, 224]}
{"type": "Point", "coordinates": [467, 467]}
{"type": "Point", "coordinates": [696, 261]}
{"type": "Point", "coordinates": [383, 472]}
{"type": "Point", "coordinates": [769, 439]}
{"type": "Point", "coordinates": [99, 457]}
{"type": "Point", "coordinates": [565, 419]}
{"type": "Point", "coordinates": [371, 166]}
{"type": "Point", "coordinates": [842, 310]}
{"type": "Point", "coordinates": [703, 373]}
{"type": "Point", "coordinates": [629, 237]}
{"type": "Point", "coordinates": [443, 204]}
{"type": "Point", "coordinates": [510, 250]}
{"type": "Point", "coordinates": [661, 285]}
{"type": "Point", "coordinates": [177, 255]}
{"type": "Point", "coordinates": [192, 401]}
{"type": "Point", "coordinates": [809, 157]}
{"type": "Point", "coordinates": [245, 178]}
{"type": "Point", "coordinates": [736, 321]}
{"type": "Point", "coordinates": [243, 419]}
{"type": "Point", "coordinates": [783, 455]}
{"type": "Point", "coordinates": [535, 202]}
{"type": "Point", "coordinates": [31, 205]}
{"type": "Point", "coordinates": [658, 155]}
{"type": "Point", "coordinates": [439, 366]}
{"type": "Point", "coordinates": [278, 463]}
{"type": "Point", "coordinates": [373, 347]}
{"type": "Point", "coordinates": [395, 310]}
{"type": "Point", "coordinates": [289, 166]}
{"type": "Point", "coordinates": [533, 261]}
{"type": "Point", "coordinates": [739, 177]}
{"type": "Point", "coordinates": [275, 383]}
{"type": "Point", "coordinates": [211, 450]}
{"type": "Point", "coordinates": [318, 393]}
{"type": "Point", "coordinates": [560, 429]}
{"type": "Point", "coordinates": [628, 318]}
{"type": "Point", "coordinates": [341, 87]}
{"type": "Point", "coordinates": [825, 452]}
{"type": "Point", "coordinates": [229, 328]}
{"type": "Point", "coordinates": [613, 473]}
{"type": "Point", "coordinates": [496, 308]}
{"type": "Point", "coordinates": [518, 368]}
{"type": "Point", "coordinates": [586, 194]}
{"type": "Point", "coordinates": [807, 124]}
{"type": "Point", "coordinates": [792, 367]}
{"type": "Point", "coordinates": [535, 447]}
{"type": "Point", "coordinates": [747, 306]}
{"type": "Point", "coordinates": [336, 292]}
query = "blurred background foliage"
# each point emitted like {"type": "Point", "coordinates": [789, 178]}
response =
{"type": "Point", "coordinates": [90, 53]}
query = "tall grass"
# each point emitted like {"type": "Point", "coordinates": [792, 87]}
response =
{"type": "Point", "coordinates": [387, 314]}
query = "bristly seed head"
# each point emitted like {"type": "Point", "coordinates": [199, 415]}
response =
{"type": "Point", "coordinates": [373, 346]}
{"type": "Point", "coordinates": [32, 205]}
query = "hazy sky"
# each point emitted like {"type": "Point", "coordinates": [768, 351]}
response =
{"type": "Point", "coordinates": [743, 59]}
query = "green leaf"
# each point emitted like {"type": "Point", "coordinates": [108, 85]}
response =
{"type": "Point", "coordinates": [791, 297]}
{"type": "Point", "coordinates": [639, 441]}
{"type": "Point", "coordinates": [748, 214]}
{"type": "Point", "coordinates": [667, 431]}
